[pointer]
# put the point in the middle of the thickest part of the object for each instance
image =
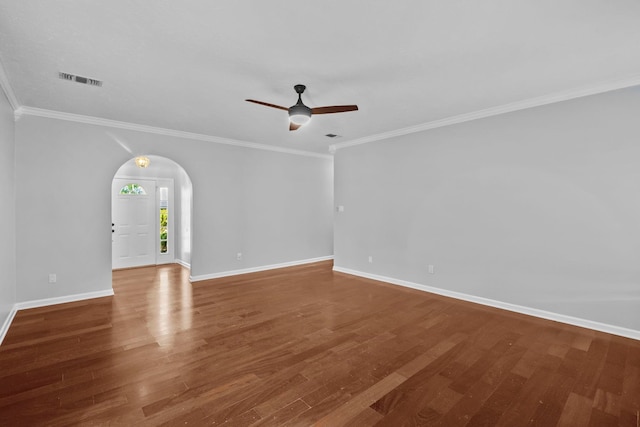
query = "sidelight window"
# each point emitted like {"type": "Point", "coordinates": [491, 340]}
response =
{"type": "Point", "coordinates": [164, 219]}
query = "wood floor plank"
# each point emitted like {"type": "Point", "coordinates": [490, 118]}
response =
{"type": "Point", "coordinates": [368, 417]}
{"type": "Point", "coordinates": [576, 411]}
{"type": "Point", "coordinates": [405, 402]}
{"type": "Point", "coordinates": [305, 345]}
{"type": "Point", "coordinates": [503, 395]}
{"type": "Point", "coordinates": [590, 374]}
{"type": "Point", "coordinates": [359, 403]}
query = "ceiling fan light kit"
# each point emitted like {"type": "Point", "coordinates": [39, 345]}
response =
{"type": "Point", "coordinates": [300, 114]}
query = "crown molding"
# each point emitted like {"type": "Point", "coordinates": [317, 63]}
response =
{"type": "Point", "coordinates": [448, 121]}
{"type": "Point", "coordinates": [6, 88]}
{"type": "Point", "coordinates": [494, 111]}
{"type": "Point", "coordinates": [91, 120]}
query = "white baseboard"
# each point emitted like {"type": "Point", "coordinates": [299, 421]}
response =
{"type": "Point", "coordinates": [7, 323]}
{"type": "Point", "coordinates": [584, 323]}
{"type": "Point", "coordinates": [61, 300]}
{"type": "Point", "coordinates": [182, 263]}
{"type": "Point", "coordinates": [48, 301]}
{"type": "Point", "coordinates": [257, 269]}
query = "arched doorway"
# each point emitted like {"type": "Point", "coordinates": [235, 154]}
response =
{"type": "Point", "coordinates": [151, 214]}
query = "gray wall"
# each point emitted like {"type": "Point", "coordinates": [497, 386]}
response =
{"type": "Point", "coordinates": [539, 208]}
{"type": "Point", "coordinates": [7, 212]}
{"type": "Point", "coordinates": [273, 207]}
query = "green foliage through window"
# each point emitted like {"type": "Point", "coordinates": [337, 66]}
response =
{"type": "Point", "coordinates": [164, 216]}
{"type": "Point", "coordinates": [134, 189]}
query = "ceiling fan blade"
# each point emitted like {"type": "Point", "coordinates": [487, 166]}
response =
{"type": "Point", "coordinates": [293, 126]}
{"type": "Point", "coordinates": [334, 109]}
{"type": "Point", "coordinates": [267, 104]}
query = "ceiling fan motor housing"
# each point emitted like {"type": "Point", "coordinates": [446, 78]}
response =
{"type": "Point", "coordinates": [299, 113]}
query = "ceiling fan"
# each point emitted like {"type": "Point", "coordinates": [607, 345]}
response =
{"type": "Point", "coordinates": [300, 114]}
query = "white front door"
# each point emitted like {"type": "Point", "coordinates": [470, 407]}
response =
{"type": "Point", "coordinates": [133, 207]}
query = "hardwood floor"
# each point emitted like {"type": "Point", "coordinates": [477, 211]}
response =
{"type": "Point", "coordinates": [305, 345]}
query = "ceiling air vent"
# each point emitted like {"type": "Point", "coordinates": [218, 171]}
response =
{"type": "Point", "coordinates": [80, 79]}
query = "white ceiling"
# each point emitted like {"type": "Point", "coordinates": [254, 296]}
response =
{"type": "Point", "coordinates": [189, 65]}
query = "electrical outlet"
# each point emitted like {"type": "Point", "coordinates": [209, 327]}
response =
{"type": "Point", "coordinates": [370, 259]}
{"type": "Point", "coordinates": [239, 256]}
{"type": "Point", "coordinates": [52, 278]}
{"type": "Point", "coordinates": [431, 270]}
